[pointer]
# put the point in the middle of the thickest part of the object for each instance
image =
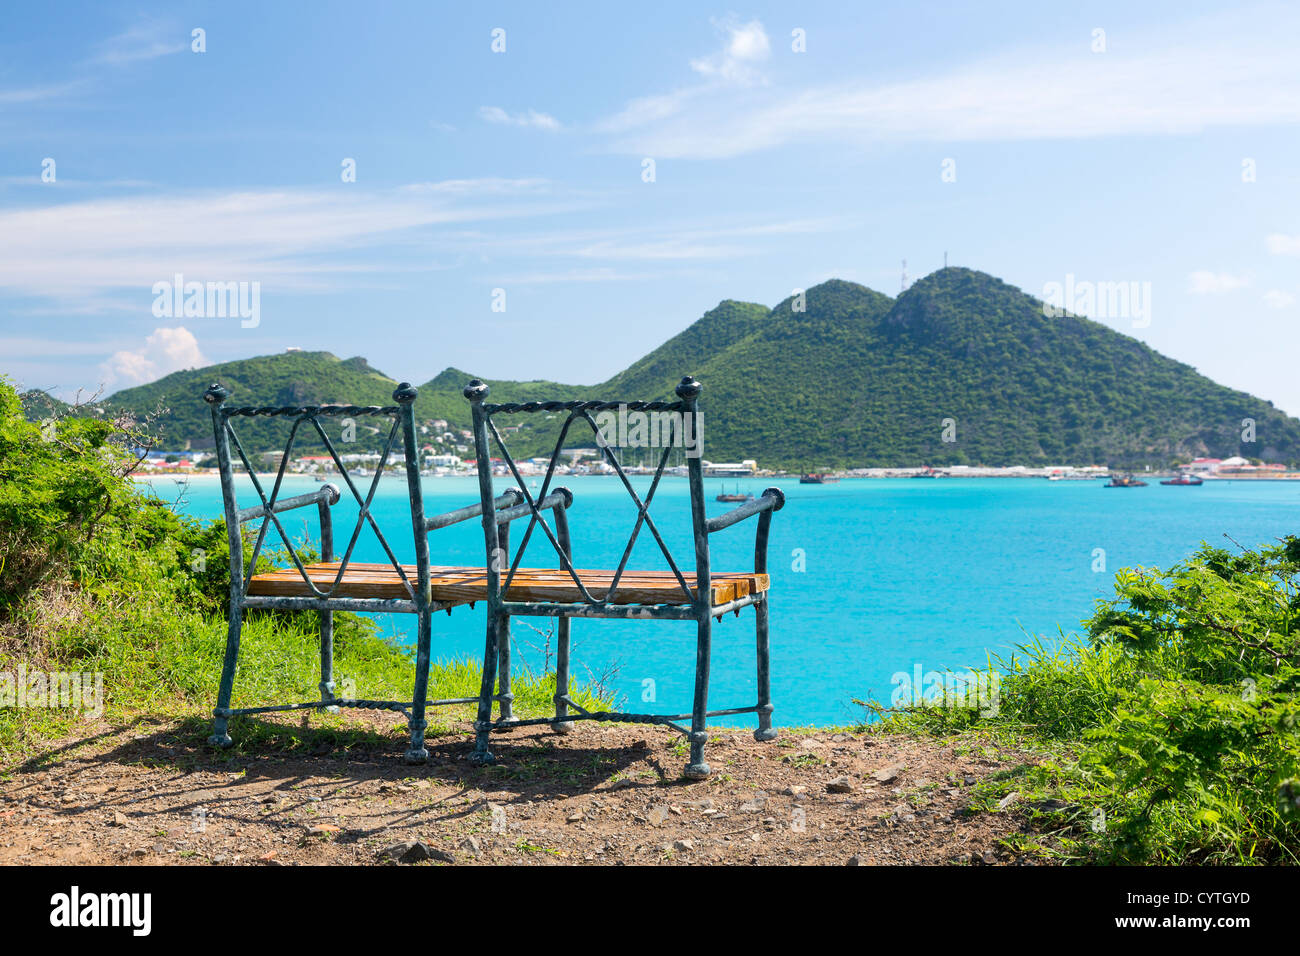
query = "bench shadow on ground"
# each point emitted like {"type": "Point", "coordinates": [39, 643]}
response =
{"type": "Point", "coordinates": [305, 767]}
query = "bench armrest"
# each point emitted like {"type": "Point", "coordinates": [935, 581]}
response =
{"type": "Point", "coordinates": [772, 499]}
{"type": "Point", "coordinates": [560, 499]}
{"type": "Point", "coordinates": [508, 499]}
{"type": "Point", "coordinates": [325, 494]}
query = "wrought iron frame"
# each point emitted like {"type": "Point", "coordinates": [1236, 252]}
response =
{"type": "Point", "coordinates": [697, 606]}
{"type": "Point", "coordinates": [418, 600]}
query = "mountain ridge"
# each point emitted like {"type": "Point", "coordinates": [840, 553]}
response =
{"type": "Point", "coordinates": [843, 376]}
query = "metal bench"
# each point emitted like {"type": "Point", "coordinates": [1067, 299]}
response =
{"type": "Point", "coordinates": [330, 585]}
{"type": "Point", "coordinates": [565, 592]}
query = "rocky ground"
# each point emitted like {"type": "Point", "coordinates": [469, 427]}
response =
{"type": "Point", "coordinates": [152, 792]}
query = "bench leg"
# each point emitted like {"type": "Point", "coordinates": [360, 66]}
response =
{"type": "Point", "coordinates": [327, 659]}
{"type": "Point", "coordinates": [220, 738]}
{"type": "Point", "coordinates": [483, 725]}
{"type": "Point", "coordinates": [765, 729]}
{"type": "Point", "coordinates": [560, 725]}
{"type": "Point", "coordinates": [416, 752]}
{"type": "Point", "coordinates": [504, 692]}
{"type": "Point", "coordinates": [697, 769]}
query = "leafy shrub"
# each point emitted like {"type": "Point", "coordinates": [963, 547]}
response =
{"type": "Point", "coordinates": [1176, 721]}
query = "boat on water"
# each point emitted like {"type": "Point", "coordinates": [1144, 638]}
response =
{"type": "Point", "coordinates": [928, 472]}
{"type": "Point", "coordinates": [1125, 481]}
{"type": "Point", "coordinates": [1189, 481]}
{"type": "Point", "coordinates": [735, 496]}
{"type": "Point", "coordinates": [817, 478]}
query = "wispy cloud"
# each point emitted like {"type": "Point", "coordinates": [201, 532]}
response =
{"type": "Point", "coordinates": [146, 40]}
{"type": "Point", "coordinates": [1211, 283]}
{"type": "Point", "coordinates": [75, 252]}
{"type": "Point", "coordinates": [38, 94]}
{"type": "Point", "coordinates": [603, 274]}
{"type": "Point", "coordinates": [1227, 70]}
{"type": "Point", "coordinates": [1283, 245]}
{"type": "Point", "coordinates": [528, 118]}
{"type": "Point", "coordinates": [1277, 299]}
{"type": "Point", "coordinates": [647, 243]}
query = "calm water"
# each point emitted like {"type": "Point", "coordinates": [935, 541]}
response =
{"type": "Point", "coordinates": [896, 573]}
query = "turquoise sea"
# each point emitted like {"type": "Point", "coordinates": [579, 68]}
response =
{"type": "Point", "coordinates": [870, 577]}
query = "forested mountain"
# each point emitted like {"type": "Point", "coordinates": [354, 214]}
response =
{"type": "Point", "coordinates": [844, 376]}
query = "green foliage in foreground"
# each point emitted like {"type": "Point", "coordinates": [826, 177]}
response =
{"type": "Point", "coordinates": [1175, 724]}
{"type": "Point", "coordinates": [100, 577]}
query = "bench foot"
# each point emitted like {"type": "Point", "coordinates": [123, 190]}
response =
{"type": "Point", "coordinates": [698, 770]}
{"type": "Point", "coordinates": [764, 734]}
{"type": "Point", "coordinates": [220, 740]}
{"type": "Point", "coordinates": [327, 694]}
{"type": "Point", "coordinates": [416, 756]}
{"type": "Point", "coordinates": [563, 726]}
{"type": "Point", "coordinates": [482, 758]}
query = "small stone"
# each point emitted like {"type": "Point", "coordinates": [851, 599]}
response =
{"type": "Point", "coordinates": [410, 851]}
{"type": "Point", "coordinates": [855, 861]}
{"type": "Point", "coordinates": [968, 780]}
{"type": "Point", "coordinates": [840, 785]}
{"type": "Point", "coordinates": [795, 790]}
{"type": "Point", "coordinates": [683, 846]}
{"type": "Point", "coordinates": [1009, 799]}
{"type": "Point", "coordinates": [120, 819]}
{"type": "Point", "coordinates": [657, 815]}
{"type": "Point", "coordinates": [886, 775]}
{"type": "Point", "coordinates": [576, 816]}
{"type": "Point", "coordinates": [990, 856]}
{"type": "Point", "coordinates": [756, 804]}
{"type": "Point", "coordinates": [641, 745]}
{"type": "Point", "coordinates": [471, 845]}
{"type": "Point", "coordinates": [324, 829]}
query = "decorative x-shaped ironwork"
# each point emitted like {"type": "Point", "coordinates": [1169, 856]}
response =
{"type": "Point", "coordinates": [311, 414]}
{"type": "Point", "coordinates": [582, 411]}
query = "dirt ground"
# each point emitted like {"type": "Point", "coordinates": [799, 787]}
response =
{"type": "Point", "coordinates": [152, 793]}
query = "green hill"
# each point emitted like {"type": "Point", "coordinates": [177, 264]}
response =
{"type": "Point", "coordinates": [290, 378]}
{"type": "Point", "coordinates": [858, 380]}
{"type": "Point", "coordinates": [854, 378]}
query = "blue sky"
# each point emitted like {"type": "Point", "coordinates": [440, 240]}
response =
{"type": "Point", "coordinates": [523, 170]}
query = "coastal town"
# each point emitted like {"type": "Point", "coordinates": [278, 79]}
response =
{"type": "Point", "coordinates": [453, 457]}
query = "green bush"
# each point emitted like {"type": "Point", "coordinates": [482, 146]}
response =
{"type": "Point", "coordinates": [1175, 723]}
{"type": "Point", "coordinates": [99, 576]}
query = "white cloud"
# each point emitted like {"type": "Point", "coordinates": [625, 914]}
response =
{"type": "Point", "coordinates": [1227, 70]}
{"type": "Point", "coordinates": [163, 352]}
{"type": "Point", "coordinates": [37, 94]}
{"type": "Point", "coordinates": [1210, 283]}
{"type": "Point", "coordinates": [647, 243]}
{"type": "Point", "coordinates": [529, 118]}
{"type": "Point", "coordinates": [603, 274]}
{"type": "Point", "coordinates": [75, 252]}
{"type": "Point", "coordinates": [143, 41]}
{"type": "Point", "coordinates": [1283, 245]}
{"type": "Point", "coordinates": [737, 62]}
{"type": "Point", "coordinates": [1277, 299]}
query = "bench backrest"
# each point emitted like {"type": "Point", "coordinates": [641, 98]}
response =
{"type": "Point", "coordinates": [309, 418]}
{"type": "Point", "coordinates": [603, 418]}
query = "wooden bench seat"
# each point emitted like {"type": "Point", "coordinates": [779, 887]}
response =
{"type": "Point", "coordinates": [461, 585]}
